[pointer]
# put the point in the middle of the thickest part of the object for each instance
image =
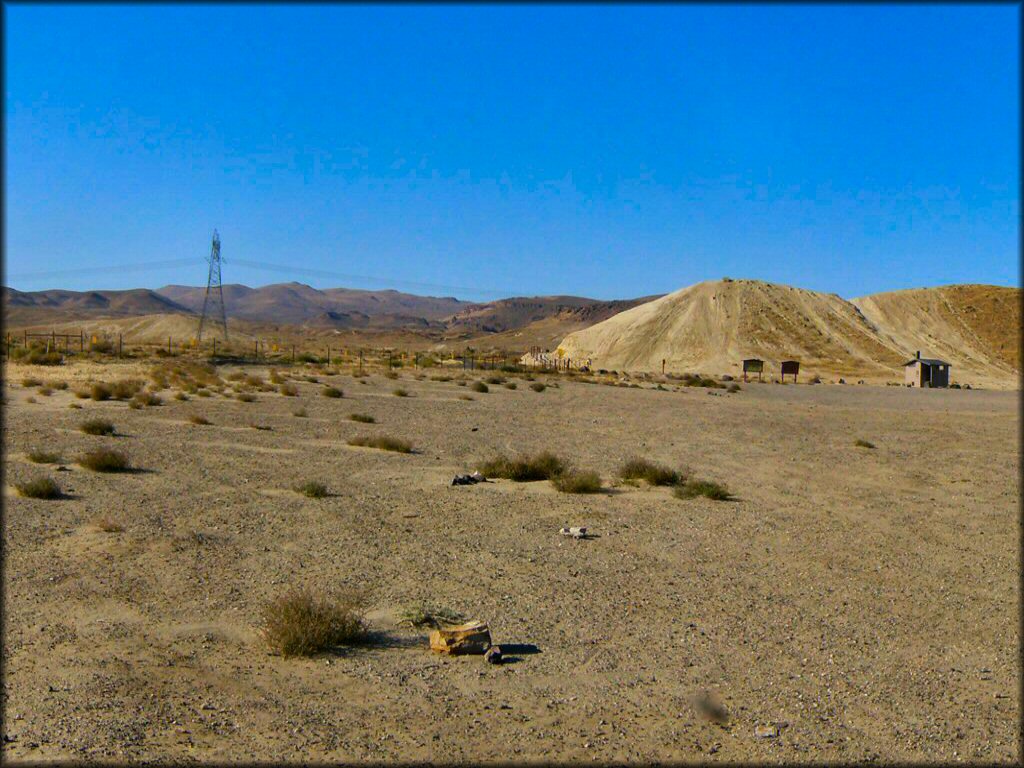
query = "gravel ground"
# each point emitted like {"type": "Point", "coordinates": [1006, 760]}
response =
{"type": "Point", "coordinates": [856, 603]}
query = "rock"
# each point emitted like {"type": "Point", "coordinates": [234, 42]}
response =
{"type": "Point", "coordinates": [766, 732]}
{"type": "Point", "coordinates": [493, 655]}
{"type": "Point", "coordinates": [471, 479]}
{"type": "Point", "coordinates": [576, 532]}
{"type": "Point", "coordinates": [472, 637]}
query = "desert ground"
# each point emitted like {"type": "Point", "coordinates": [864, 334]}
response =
{"type": "Point", "coordinates": [850, 604]}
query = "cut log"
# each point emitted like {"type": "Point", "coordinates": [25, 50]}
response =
{"type": "Point", "coordinates": [472, 637]}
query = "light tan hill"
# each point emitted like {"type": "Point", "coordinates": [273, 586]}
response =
{"type": "Point", "coordinates": [710, 327]}
{"type": "Point", "coordinates": [975, 327]}
{"type": "Point", "coordinates": [137, 330]}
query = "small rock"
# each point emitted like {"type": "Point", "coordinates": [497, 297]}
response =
{"type": "Point", "coordinates": [579, 532]}
{"type": "Point", "coordinates": [766, 732]}
{"type": "Point", "coordinates": [493, 655]}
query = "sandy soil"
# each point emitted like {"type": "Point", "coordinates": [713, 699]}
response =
{"type": "Point", "coordinates": [864, 602]}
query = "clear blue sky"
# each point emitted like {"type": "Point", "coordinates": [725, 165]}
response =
{"type": "Point", "coordinates": [603, 151]}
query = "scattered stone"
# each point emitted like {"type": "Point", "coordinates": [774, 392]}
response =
{"type": "Point", "coordinates": [493, 655]}
{"type": "Point", "coordinates": [472, 637]}
{"type": "Point", "coordinates": [471, 479]}
{"type": "Point", "coordinates": [579, 532]}
{"type": "Point", "coordinates": [766, 732]}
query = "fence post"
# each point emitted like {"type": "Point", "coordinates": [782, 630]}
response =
{"type": "Point", "coordinates": [120, 345]}
{"type": "Point", "coordinates": [214, 346]}
{"type": "Point", "coordinates": [81, 341]}
{"type": "Point", "coordinates": [360, 361]}
{"type": "Point", "coordinates": [328, 354]}
{"type": "Point", "coordinates": [293, 354]}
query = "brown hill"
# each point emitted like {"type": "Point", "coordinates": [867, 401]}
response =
{"type": "Point", "coordinates": [297, 303]}
{"type": "Point", "coordinates": [710, 327]}
{"type": "Point", "coordinates": [522, 312]}
{"type": "Point", "coordinates": [975, 327]}
{"type": "Point", "coordinates": [24, 308]}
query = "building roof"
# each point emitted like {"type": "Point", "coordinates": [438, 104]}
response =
{"type": "Point", "coordinates": [926, 361]}
{"type": "Point", "coordinates": [752, 360]}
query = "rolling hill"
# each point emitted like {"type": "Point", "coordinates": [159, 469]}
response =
{"type": "Point", "coordinates": [710, 327]}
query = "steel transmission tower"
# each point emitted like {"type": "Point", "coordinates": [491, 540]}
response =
{"type": "Point", "coordinates": [213, 303]}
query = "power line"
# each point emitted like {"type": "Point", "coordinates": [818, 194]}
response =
{"type": "Point", "coordinates": [134, 267]}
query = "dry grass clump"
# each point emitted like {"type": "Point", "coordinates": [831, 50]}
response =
{"type": "Point", "coordinates": [363, 418]}
{"type": "Point", "coordinates": [200, 420]}
{"type": "Point", "coordinates": [100, 427]}
{"type": "Point", "coordinates": [261, 427]}
{"type": "Point", "coordinates": [313, 490]}
{"type": "Point", "coordinates": [332, 392]}
{"type": "Point", "coordinates": [383, 442]}
{"type": "Point", "coordinates": [288, 389]}
{"type": "Point", "coordinates": [538, 386]}
{"type": "Point", "coordinates": [30, 400]}
{"type": "Point", "coordinates": [75, 406]}
{"type": "Point", "coordinates": [420, 616]}
{"type": "Point", "coordinates": [511, 385]}
{"type": "Point", "coordinates": [31, 381]}
{"type": "Point", "coordinates": [479, 386]}
{"type": "Point", "coordinates": [125, 389]}
{"type": "Point", "coordinates": [107, 525]}
{"type": "Point", "coordinates": [733, 388]}
{"type": "Point", "coordinates": [57, 384]}
{"type": "Point", "coordinates": [45, 391]}
{"type": "Point", "coordinates": [390, 375]}
{"type": "Point", "coordinates": [39, 488]}
{"type": "Point", "coordinates": [302, 622]}
{"type": "Point", "coordinates": [246, 397]}
{"type": "Point", "coordinates": [577, 481]}
{"type": "Point", "coordinates": [104, 460]}
{"type": "Point", "coordinates": [148, 399]}
{"type": "Point", "coordinates": [466, 397]}
{"type": "Point", "coordinates": [100, 391]}
{"type": "Point", "coordinates": [441, 378]}
{"type": "Point", "coordinates": [542, 466]}
{"type": "Point", "coordinates": [706, 488]}
{"type": "Point", "coordinates": [44, 457]}
{"type": "Point", "coordinates": [864, 443]}
{"type": "Point", "coordinates": [400, 392]}
{"type": "Point", "coordinates": [495, 380]}
{"type": "Point", "coordinates": [655, 474]}
{"type": "Point", "coordinates": [300, 413]}
{"type": "Point", "coordinates": [180, 396]}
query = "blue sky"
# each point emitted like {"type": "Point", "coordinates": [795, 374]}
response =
{"type": "Point", "coordinates": [603, 151]}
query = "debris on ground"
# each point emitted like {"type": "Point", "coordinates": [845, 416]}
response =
{"type": "Point", "coordinates": [766, 732]}
{"type": "Point", "coordinates": [493, 655]}
{"type": "Point", "coordinates": [471, 479]}
{"type": "Point", "coordinates": [575, 532]}
{"type": "Point", "coordinates": [472, 637]}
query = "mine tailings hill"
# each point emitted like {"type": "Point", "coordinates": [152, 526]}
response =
{"type": "Point", "coordinates": [712, 326]}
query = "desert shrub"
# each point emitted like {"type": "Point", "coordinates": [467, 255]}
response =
{"type": "Point", "coordinates": [235, 376]}
{"type": "Point", "coordinates": [203, 393]}
{"type": "Point", "coordinates": [390, 374]}
{"type": "Point", "coordinates": [383, 442]}
{"type": "Point", "coordinates": [816, 379]}
{"type": "Point", "coordinates": [100, 391]}
{"type": "Point", "coordinates": [363, 418]}
{"type": "Point", "coordinates": [125, 389]}
{"type": "Point", "coordinates": [180, 396]}
{"type": "Point", "coordinates": [733, 388]}
{"type": "Point", "coordinates": [31, 400]}
{"type": "Point", "coordinates": [39, 488]}
{"type": "Point", "coordinates": [441, 378]}
{"type": "Point", "coordinates": [465, 397]}
{"type": "Point", "coordinates": [707, 488]}
{"type": "Point", "coordinates": [97, 427]}
{"type": "Point", "coordinates": [76, 406]}
{"type": "Point", "coordinates": [655, 474]}
{"type": "Point", "coordinates": [246, 397]}
{"type": "Point", "coordinates": [104, 460]}
{"type": "Point", "coordinates": [302, 622]}
{"type": "Point", "coordinates": [31, 381]}
{"type": "Point", "coordinates": [400, 392]}
{"type": "Point", "coordinates": [43, 457]}
{"type": "Point", "coordinates": [479, 386]}
{"type": "Point", "coordinates": [306, 357]}
{"type": "Point", "coordinates": [420, 616]}
{"type": "Point", "coordinates": [288, 389]}
{"type": "Point", "coordinates": [200, 420]}
{"type": "Point", "coordinates": [495, 380]}
{"type": "Point", "coordinates": [300, 413]}
{"type": "Point", "coordinates": [537, 387]}
{"type": "Point", "coordinates": [147, 399]}
{"type": "Point", "coordinates": [313, 490]}
{"type": "Point", "coordinates": [253, 381]}
{"type": "Point", "coordinates": [864, 443]}
{"type": "Point", "coordinates": [107, 525]}
{"type": "Point", "coordinates": [261, 427]}
{"type": "Point", "coordinates": [45, 391]}
{"type": "Point", "coordinates": [37, 356]}
{"type": "Point", "coordinates": [577, 481]}
{"type": "Point", "coordinates": [510, 385]}
{"type": "Point", "coordinates": [332, 392]}
{"type": "Point", "coordinates": [542, 466]}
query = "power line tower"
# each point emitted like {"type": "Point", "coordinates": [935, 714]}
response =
{"type": "Point", "coordinates": [213, 302]}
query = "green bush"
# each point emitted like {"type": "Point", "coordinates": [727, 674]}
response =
{"type": "Point", "coordinates": [384, 443]}
{"type": "Point", "coordinates": [313, 490]}
{"type": "Point", "coordinates": [39, 488]}
{"type": "Point", "coordinates": [97, 427]}
{"type": "Point", "coordinates": [711, 490]}
{"type": "Point", "coordinates": [479, 386]}
{"type": "Point", "coordinates": [577, 481]}
{"type": "Point", "coordinates": [331, 392]}
{"type": "Point", "coordinates": [537, 387]}
{"type": "Point", "coordinates": [655, 474]}
{"type": "Point", "coordinates": [303, 623]}
{"type": "Point", "coordinates": [542, 466]}
{"type": "Point", "coordinates": [864, 443]}
{"type": "Point", "coordinates": [104, 460]}
{"type": "Point", "coordinates": [400, 392]}
{"type": "Point", "coordinates": [44, 457]}
{"type": "Point", "coordinates": [363, 418]}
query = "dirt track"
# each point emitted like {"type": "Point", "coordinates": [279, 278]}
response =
{"type": "Point", "coordinates": [863, 601]}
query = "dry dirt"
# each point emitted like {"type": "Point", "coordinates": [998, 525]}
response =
{"type": "Point", "coordinates": [863, 602]}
